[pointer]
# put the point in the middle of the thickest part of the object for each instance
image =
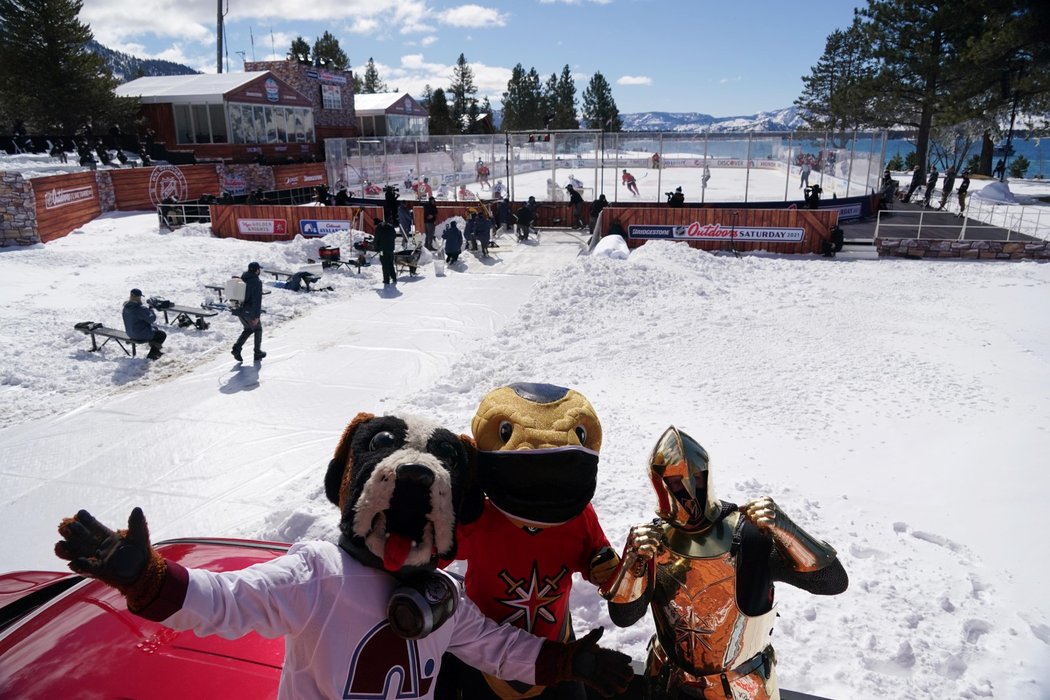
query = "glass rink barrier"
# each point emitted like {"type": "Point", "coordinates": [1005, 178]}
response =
{"type": "Point", "coordinates": [624, 166]}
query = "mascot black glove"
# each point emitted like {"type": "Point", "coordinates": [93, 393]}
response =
{"type": "Point", "coordinates": [608, 672]}
{"type": "Point", "coordinates": [123, 559]}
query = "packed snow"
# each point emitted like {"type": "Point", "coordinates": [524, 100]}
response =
{"type": "Point", "coordinates": [898, 409]}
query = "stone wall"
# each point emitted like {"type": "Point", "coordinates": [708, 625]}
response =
{"type": "Point", "coordinates": [306, 80]}
{"type": "Point", "coordinates": [966, 250]}
{"type": "Point", "coordinates": [17, 213]}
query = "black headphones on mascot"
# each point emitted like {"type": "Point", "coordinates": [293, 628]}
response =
{"type": "Point", "coordinates": [422, 603]}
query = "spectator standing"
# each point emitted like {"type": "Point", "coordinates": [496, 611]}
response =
{"type": "Point", "coordinates": [250, 312]}
{"type": "Point", "coordinates": [404, 220]}
{"type": "Point", "coordinates": [946, 188]}
{"type": "Point", "coordinates": [483, 233]}
{"type": "Point", "coordinates": [1000, 169]}
{"type": "Point", "coordinates": [630, 181]}
{"type": "Point", "coordinates": [385, 239]}
{"type": "Point", "coordinates": [525, 218]}
{"type": "Point", "coordinates": [964, 186]}
{"type": "Point", "coordinates": [430, 214]}
{"type": "Point", "coordinates": [804, 177]}
{"type": "Point", "coordinates": [576, 200]}
{"type": "Point", "coordinates": [453, 242]}
{"type": "Point", "coordinates": [596, 209]}
{"type": "Point", "coordinates": [470, 230]}
{"type": "Point", "coordinates": [676, 199]}
{"type": "Point", "coordinates": [342, 197]}
{"type": "Point", "coordinates": [140, 324]}
{"type": "Point", "coordinates": [390, 204]}
{"type": "Point", "coordinates": [504, 217]}
{"type": "Point", "coordinates": [931, 185]}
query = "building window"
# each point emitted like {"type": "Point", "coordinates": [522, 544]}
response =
{"type": "Point", "coordinates": [331, 97]}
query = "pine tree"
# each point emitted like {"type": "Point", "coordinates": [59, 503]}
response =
{"type": "Point", "coordinates": [441, 122]}
{"type": "Point", "coordinates": [427, 96]}
{"type": "Point", "coordinates": [327, 53]}
{"type": "Point", "coordinates": [372, 83]}
{"type": "Point", "coordinates": [522, 108]}
{"type": "Point", "coordinates": [599, 107]}
{"type": "Point", "coordinates": [300, 51]}
{"type": "Point", "coordinates": [48, 78]}
{"type": "Point", "coordinates": [832, 94]}
{"type": "Point", "coordinates": [464, 102]}
{"type": "Point", "coordinates": [565, 102]}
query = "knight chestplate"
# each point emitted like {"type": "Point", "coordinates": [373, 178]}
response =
{"type": "Point", "coordinates": [705, 645]}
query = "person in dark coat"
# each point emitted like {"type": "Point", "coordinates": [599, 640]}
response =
{"type": "Point", "coordinates": [964, 187]}
{"type": "Point", "coordinates": [525, 218]}
{"type": "Point", "coordinates": [946, 188]}
{"type": "Point", "coordinates": [453, 242]}
{"type": "Point", "coordinates": [390, 204]}
{"type": "Point", "coordinates": [342, 197]}
{"type": "Point", "coordinates": [430, 214]}
{"type": "Point", "coordinates": [140, 324]}
{"type": "Point", "coordinates": [470, 230]}
{"type": "Point", "coordinates": [576, 200]}
{"type": "Point", "coordinates": [385, 240]}
{"type": "Point", "coordinates": [676, 199]}
{"type": "Point", "coordinates": [404, 220]}
{"type": "Point", "coordinates": [483, 233]}
{"type": "Point", "coordinates": [931, 185]}
{"type": "Point", "coordinates": [504, 218]}
{"type": "Point", "coordinates": [250, 313]}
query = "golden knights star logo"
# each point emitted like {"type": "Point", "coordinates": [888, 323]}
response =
{"type": "Point", "coordinates": [530, 598]}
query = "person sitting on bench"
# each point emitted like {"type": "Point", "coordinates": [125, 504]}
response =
{"type": "Point", "coordinates": [140, 324]}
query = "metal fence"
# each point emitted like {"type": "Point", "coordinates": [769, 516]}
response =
{"type": "Point", "coordinates": [843, 164]}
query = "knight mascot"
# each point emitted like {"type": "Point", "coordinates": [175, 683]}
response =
{"type": "Point", "coordinates": [706, 568]}
{"type": "Point", "coordinates": [538, 448]}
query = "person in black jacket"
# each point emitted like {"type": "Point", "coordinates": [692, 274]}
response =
{"type": "Point", "coordinates": [676, 199]}
{"type": "Point", "coordinates": [525, 218]}
{"type": "Point", "coordinates": [576, 200]}
{"type": "Point", "coordinates": [250, 312]}
{"type": "Point", "coordinates": [140, 324]}
{"type": "Point", "coordinates": [385, 240]}
{"type": "Point", "coordinates": [430, 215]}
{"type": "Point", "coordinates": [596, 208]}
{"type": "Point", "coordinates": [390, 197]}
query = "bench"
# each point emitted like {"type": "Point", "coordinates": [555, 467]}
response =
{"type": "Point", "coordinates": [97, 330]}
{"type": "Point", "coordinates": [183, 314]}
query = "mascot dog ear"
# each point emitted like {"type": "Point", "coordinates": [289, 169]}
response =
{"type": "Point", "coordinates": [340, 470]}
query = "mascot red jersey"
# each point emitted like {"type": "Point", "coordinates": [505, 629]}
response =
{"type": "Point", "coordinates": [537, 463]}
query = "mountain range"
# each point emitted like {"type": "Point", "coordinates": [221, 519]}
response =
{"type": "Point", "coordinates": [126, 67]}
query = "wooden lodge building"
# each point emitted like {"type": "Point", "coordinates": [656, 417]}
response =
{"type": "Point", "coordinates": [276, 111]}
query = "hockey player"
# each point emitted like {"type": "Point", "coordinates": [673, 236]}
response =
{"type": "Point", "coordinates": [630, 181]}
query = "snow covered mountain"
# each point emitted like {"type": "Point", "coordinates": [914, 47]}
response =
{"type": "Point", "coordinates": [126, 67]}
{"type": "Point", "coordinates": [787, 119]}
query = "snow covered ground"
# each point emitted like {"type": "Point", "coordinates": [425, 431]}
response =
{"type": "Point", "coordinates": [898, 409]}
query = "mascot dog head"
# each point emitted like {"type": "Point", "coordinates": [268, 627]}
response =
{"type": "Point", "coordinates": [538, 450]}
{"type": "Point", "coordinates": [401, 484]}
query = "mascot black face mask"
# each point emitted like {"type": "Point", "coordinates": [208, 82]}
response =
{"type": "Point", "coordinates": [538, 448]}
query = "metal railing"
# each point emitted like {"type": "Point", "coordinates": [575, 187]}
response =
{"type": "Point", "coordinates": [982, 222]}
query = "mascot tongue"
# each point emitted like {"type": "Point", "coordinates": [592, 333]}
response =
{"type": "Point", "coordinates": [395, 552]}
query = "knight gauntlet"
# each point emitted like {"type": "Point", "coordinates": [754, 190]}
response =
{"type": "Point", "coordinates": [124, 559]}
{"type": "Point", "coordinates": [804, 551]}
{"type": "Point", "coordinates": [630, 581]}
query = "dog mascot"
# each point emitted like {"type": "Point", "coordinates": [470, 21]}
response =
{"type": "Point", "coordinates": [537, 463]}
{"type": "Point", "coordinates": [369, 617]}
{"type": "Point", "coordinates": [707, 568]}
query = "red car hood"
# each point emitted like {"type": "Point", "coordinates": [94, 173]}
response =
{"type": "Point", "coordinates": [84, 643]}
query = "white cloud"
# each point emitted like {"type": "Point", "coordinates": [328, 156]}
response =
{"type": "Point", "coordinates": [734, 79]}
{"type": "Point", "coordinates": [472, 16]}
{"type": "Point", "coordinates": [634, 80]}
{"type": "Point", "coordinates": [428, 40]}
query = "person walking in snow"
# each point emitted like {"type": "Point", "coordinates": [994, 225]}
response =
{"type": "Point", "coordinates": [385, 240]}
{"type": "Point", "coordinates": [430, 213]}
{"type": "Point", "coordinates": [250, 313]}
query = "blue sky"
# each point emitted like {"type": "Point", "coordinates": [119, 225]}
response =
{"type": "Point", "coordinates": [720, 58]}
